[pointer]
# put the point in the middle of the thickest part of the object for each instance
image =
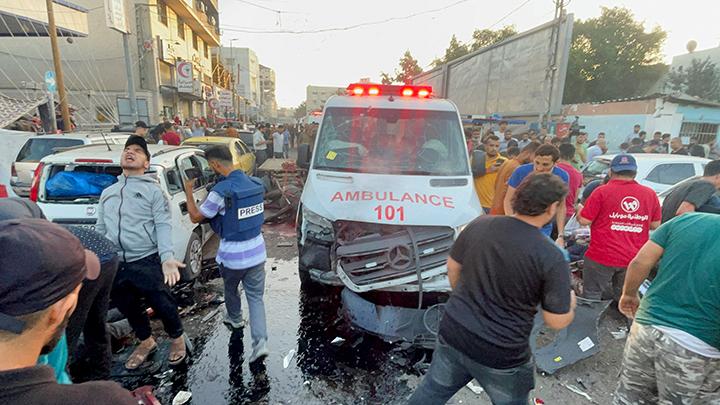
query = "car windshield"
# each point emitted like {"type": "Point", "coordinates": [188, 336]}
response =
{"type": "Point", "coordinates": [36, 149]}
{"type": "Point", "coordinates": [596, 168]}
{"type": "Point", "coordinates": [205, 146]}
{"type": "Point", "coordinates": [391, 141]}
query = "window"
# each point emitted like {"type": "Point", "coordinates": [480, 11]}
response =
{"type": "Point", "coordinates": [173, 181]}
{"type": "Point", "coordinates": [671, 173]}
{"type": "Point", "coordinates": [705, 133]}
{"type": "Point", "coordinates": [181, 29]}
{"type": "Point", "coordinates": [207, 51]}
{"type": "Point", "coordinates": [162, 12]}
{"type": "Point", "coordinates": [36, 149]}
{"type": "Point", "coordinates": [240, 148]}
{"type": "Point", "coordinates": [195, 41]}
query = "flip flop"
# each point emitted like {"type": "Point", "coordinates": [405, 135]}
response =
{"type": "Point", "coordinates": [139, 356]}
{"type": "Point", "coordinates": [174, 351]}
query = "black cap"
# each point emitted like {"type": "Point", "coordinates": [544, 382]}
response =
{"type": "Point", "coordinates": [32, 282]}
{"type": "Point", "coordinates": [15, 208]}
{"type": "Point", "coordinates": [139, 141]}
{"type": "Point", "coordinates": [141, 124]}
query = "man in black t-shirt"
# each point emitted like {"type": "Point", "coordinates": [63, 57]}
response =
{"type": "Point", "coordinates": [695, 195]}
{"type": "Point", "coordinates": [501, 268]}
{"type": "Point", "coordinates": [38, 293]}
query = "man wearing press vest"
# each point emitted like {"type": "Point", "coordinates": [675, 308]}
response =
{"type": "Point", "coordinates": [236, 213]}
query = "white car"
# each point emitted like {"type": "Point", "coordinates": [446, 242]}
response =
{"type": "Point", "coordinates": [37, 147]}
{"type": "Point", "coordinates": [388, 189]}
{"type": "Point", "coordinates": [169, 163]}
{"type": "Point", "coordinates": [658, 171]}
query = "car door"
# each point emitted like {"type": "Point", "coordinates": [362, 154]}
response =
{"type": "Point", "coordinates": [200, 192]}
{"type": "Point", "coordinates": [665, 175]}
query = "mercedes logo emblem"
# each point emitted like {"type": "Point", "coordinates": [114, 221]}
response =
{"type": "Point", "coordinates": [399, 257]}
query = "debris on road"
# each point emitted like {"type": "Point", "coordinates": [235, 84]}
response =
{"type": "Point", "coordinates": [477, 389]}
{"type": "Point", "coordinates": [581, 383]}
{"type": "Point", "coordinates": [578, 391]}
{"type": "Point", "coordinates": [181, 397]}
{"type": "Point", "coordinates": [620, 334]}
{"type": "Point", "coordinates": [210, 315]}
{"type": "Point", "coordinates": [337, 341]}
{"type": "Point", "coordinates": [288, 358]}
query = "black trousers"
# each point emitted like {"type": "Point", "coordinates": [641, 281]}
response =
{"type": "Point", "coordinates": [140, 284]}
{"type": "Point", "coordinates": [89, 319]}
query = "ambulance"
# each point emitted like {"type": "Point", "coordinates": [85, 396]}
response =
{"type": "Point", "coordinates": [388, 190]}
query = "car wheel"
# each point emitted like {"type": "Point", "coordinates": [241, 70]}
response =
{"type": "Point", "coordinates": [193, 258]}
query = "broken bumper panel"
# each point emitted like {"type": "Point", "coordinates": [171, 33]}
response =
{"type": "Point", "coordinates": [380, 261]}
{"type": "Point", "coordinates": [393, 324]}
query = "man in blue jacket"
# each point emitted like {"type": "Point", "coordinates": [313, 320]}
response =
{"type": "Point", "coordinates": [236, 213]}
{"type": "Point", "coordinates": [134, 213]}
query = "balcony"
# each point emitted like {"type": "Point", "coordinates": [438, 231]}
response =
{"type": "Point", "coordinates": [198, 21]}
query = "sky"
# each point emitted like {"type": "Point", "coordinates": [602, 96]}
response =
{"type": "Point", "coordinates": [340, 57]}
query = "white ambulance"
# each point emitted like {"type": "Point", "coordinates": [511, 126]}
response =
{"type": "Point", "coordinates": [389, 188]}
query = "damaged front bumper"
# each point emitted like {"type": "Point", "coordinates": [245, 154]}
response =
{"type": "Point", "coordinates": [391, 323]}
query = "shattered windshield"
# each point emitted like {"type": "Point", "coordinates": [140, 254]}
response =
{"type": "Point", "coordinates": [391, 141]}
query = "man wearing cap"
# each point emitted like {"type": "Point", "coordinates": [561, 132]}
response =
{"type": "Point", "coordinates": [141, 128]}
{"type": "Point", "coordinates": [621, 214]}
{"type": "Point", "coordinates": [134, 213]}
{"type": "Point", "coordinates": [38, 293]}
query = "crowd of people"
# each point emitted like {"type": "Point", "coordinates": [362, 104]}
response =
{"type": "Point", "coordinates": [672, 354]}
{"type": "Point", "coordinates": [64, 289]}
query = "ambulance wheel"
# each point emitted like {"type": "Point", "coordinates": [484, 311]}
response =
{"type": "Point", "coordinates": [193, 258]}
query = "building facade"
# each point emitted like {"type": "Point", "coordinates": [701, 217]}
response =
{"type": "Point", "coordinates": [244, 64]}
{"type": "Point", "coordinates": [316, 96]}
{"type": "Point", "coordinates": [678, 115]}
{"type": "Point", "coordinates": [164, 35]}
{"type": "Point", "coordinates": [267, 91]}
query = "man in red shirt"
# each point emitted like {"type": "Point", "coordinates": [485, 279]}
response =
{"type": "Point", "coordinates": [170, 137]}
{"type": "Point", "coordinates": [621, 215]}
{"type": "Point", "coordinates": [567, 154]}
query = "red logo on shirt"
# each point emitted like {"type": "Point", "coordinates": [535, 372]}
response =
{"type": "Point", "coordinates": [630, 204]}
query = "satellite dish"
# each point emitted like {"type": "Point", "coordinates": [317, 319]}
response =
{"type": "Point", "coordinates": [691, 45]}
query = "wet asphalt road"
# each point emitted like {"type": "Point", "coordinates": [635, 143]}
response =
{"type": "Point", "coordinates": [361, 370]}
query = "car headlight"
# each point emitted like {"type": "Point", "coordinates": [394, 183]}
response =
{"type": "Point", "coordinates": [315, 219]}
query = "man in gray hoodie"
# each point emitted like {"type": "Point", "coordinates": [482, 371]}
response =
{"type": "Point", "coordinates": [134, 213]}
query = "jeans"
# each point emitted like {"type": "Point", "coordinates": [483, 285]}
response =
{"type": "Point", "coordinates": [260, 157]}
{"type": "Point", "coordinates": [143, 280]}
{"type": "Point", "coordinates": [451, 370]}
{"type": "Point", "coordinates": [253, 280]}
{"type": "Point", "coordinates": [602, 282]}
{"type": "Point", "coordinates": [89, 319]}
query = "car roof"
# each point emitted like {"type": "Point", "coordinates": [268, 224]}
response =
{"type": "Point", "coordinates": [210, 139]}
{"type": "Point", "coordinates": [402, 103]}
{"type": "Point", "coordinates": [159, 153]}
{"type": "Point", "coordinates": [82, 135]}
{"type": "Point", "coordinates": [665, 157]}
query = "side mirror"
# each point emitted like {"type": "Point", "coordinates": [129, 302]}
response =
{"type": "Point", "coordinates": [303, 156]}
{"type": "Point", "coordinates": [477, 164]}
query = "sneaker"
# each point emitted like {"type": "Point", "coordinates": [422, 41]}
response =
{"type": "Point", "coordinates": [233, 324]}
{"type": "Point", "coordinates": [260, 351]}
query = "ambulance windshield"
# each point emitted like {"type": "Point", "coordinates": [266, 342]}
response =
{"type": "Point", "coordinates": [392, 141]}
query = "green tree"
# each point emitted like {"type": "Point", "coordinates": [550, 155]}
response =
{"type": "Point", "coordinates": [613, 57]}
{"type": "Point", "coordinates": [700, 79]}
{"type": "Point", "coordinates": [301, 110]}
{"type": "Point", "coordinates": [455, 50]}
{"type": "Point", "coordinates": [485, 37]}
{"type": "Point", "coordinates": [409, 68]}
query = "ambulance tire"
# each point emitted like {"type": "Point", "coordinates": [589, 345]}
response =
{"type": "Point", "coordinates": [193, 258]}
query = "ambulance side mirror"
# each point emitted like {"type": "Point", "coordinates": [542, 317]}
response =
{"type": "Point", "coordinates": [477, 164]}
{"type": "Point", "coordinates": [303, 156]}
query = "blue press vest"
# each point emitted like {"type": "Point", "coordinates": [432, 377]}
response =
{"type": "Point", "coordinates": [244, 198]}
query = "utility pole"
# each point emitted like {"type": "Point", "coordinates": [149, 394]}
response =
{"type": "Point", "coordinates": [552, 58]}
{"type": "Point", "coordinates": [64, 109]}
{"type": "Point", "coordinates": [130, 80]}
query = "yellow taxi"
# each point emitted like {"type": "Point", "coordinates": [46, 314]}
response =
{"type": "Point", "coordinates": [243, 157]}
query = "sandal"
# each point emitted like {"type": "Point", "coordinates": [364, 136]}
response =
{"type": "Point", "coordinates": [139, 356]}
{"type": "Point", "coordinates": [177, 354]}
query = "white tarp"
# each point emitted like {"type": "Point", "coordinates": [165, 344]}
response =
{"type": "Point", "coordinates": [508, 78]}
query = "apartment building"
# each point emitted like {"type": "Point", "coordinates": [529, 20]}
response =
{"type": "Point", "coordinates": [267, 91]}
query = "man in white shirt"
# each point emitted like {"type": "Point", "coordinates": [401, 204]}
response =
{"type": "Point", "coordinates": [635, 133]}
{"type": "Point", "coordinates": [260, 145]}
{"type": "Point", "coordinates": [600, 148]}
{"type": "Point", "coordinates": [278, 139]}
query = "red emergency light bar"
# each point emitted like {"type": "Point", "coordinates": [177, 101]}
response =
{"type": "Point", "coordinates": [368, 89]}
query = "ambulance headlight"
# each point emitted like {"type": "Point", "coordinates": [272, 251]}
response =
{"type": "Point", "coordinates": [315, 219]}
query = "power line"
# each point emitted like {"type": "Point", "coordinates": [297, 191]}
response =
{"type": "Point", "coordinates": [250, 30]}
{"type": "Point", "coordinates": [268, 8]}
{"type": "Point", "coordinates": [510, 13]}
